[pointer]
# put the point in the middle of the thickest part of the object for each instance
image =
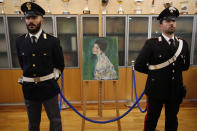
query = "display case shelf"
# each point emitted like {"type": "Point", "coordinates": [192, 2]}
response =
{"type": "Point", "coordinates": [131, 30]}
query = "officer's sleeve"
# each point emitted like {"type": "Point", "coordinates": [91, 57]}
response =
{"type": "Point", "coordinates": [143, 58]}
{"type": "Point", "coordinates": [58, 57]}
{"type": "Point", "coordinates": [18, 53]}
{"type": "Point", "coordinates": [186, 58]}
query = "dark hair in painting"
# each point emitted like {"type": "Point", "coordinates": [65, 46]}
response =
{"type": "Point", "coordinates": [102, 44]}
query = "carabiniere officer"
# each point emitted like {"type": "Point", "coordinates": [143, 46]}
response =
{"type": "Point", "coordinates": [164, 59]}
{"type": "Point", "coordinates": [41, 59]}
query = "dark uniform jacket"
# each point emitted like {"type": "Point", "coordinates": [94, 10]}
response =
{"type": "Point", "coordinates": [37, 60]}
{"type": "Point", "coordinates": [164, 83]}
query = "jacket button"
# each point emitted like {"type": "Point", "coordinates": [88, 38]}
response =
{"type": "Point", "coordinates": [172, 78]}
{"type": "Point", "coordinates": [173, 64]}
{"type": "Point", "coordinates": [34, 75]}
{"type": "Point", "coordinates": [34, 65]}
{"type": "Point", "coordinates": [33, 54]}
{"type": "Point", "coordinates": [173, 71]}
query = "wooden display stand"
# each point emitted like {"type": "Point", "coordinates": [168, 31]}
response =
{"type": "Point", "coordinates": [85, 90]}
{"type": "Point", "coordinates": [100, 109]}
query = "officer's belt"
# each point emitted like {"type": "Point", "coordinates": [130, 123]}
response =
{"type": "Point", "coordinates": [171, 60]}
{"type": "Point", "coordinates": [38, 79]}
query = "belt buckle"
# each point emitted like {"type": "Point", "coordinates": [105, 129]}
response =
{"type": "Point", "coordinates": [37, 79]}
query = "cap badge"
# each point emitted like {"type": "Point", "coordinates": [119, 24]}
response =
{"type": "Point", "coordinates": [172, 9]}
{"type": "Point", "coordinates": [28, 5]}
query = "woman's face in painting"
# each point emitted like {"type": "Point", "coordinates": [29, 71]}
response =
{"type": "Point", "coordinates": [96, 49]}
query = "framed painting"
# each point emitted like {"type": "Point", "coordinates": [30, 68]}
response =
{"type": "Point", "coordinates": [100, 58]}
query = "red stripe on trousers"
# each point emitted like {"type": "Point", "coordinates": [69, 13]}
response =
{"type": "Point", "coordinates": [147, 107]}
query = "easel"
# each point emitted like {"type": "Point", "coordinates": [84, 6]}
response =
{"type": "Point", "coordinates": [100, 88]}
{"type": "Point", "coordinates": [100, 107]}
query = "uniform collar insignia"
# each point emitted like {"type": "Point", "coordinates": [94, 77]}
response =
{"type": "Point", "coordinates": [45, 36]}
{"type": "Point", "coordinates": [172, 9]}
{"type": "Point", "coordinates": [159, 38]}
{"type": "Point", "coordinates": [28, 5]}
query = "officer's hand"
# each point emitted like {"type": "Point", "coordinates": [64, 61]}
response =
{"type": "Point", "coordinates": [20, 80]}
{"type": "Point", "coordinates": [56, 73]}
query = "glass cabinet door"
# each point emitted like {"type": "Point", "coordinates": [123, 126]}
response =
{"type": "Point", "coordinates": [155, 27]}
{"type": "Point", "coordinates": [3, 46]}
{"type": "Point", "coordinates": [17, 27]}
{"type": "Point", "coordinates": [195, 47]}
{"type": "Point", "coordinates": [67, 33]}
{"type": "Point", "coordinates": [48, 25]}
{"type": "Point", "coordinates": [184, 26]}
{"type": "Point", "coordinates": [138, 34]}
{"type": "Point", "coordinates": [115, 26]}
{"type": "Point", "coordinates": [90, 26]}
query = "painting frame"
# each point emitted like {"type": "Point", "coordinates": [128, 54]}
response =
{"type": "Point", "coordinates": [100, 58]}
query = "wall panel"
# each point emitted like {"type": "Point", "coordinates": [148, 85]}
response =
{"type": "Point", "coordinates": [11, 91]}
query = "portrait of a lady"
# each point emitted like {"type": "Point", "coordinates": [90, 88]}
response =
{"type": "Point", "coordinates": [100, 58]}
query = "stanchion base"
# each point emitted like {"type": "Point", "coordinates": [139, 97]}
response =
{"type": "Point", "coordinates": [130, 104]}
{"type": "Point", "coordinates": [64, 106]}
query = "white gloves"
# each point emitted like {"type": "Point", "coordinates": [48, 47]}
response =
{"type": "Point", "coordinates": [20, 80]}
{"type": "Point", "coordinates": [56, 73]}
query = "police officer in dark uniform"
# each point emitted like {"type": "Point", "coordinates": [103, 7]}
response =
{"type": "Point", "coordinates": [163, 59]}
{"type": "Point", "coordinates": [41, 59]}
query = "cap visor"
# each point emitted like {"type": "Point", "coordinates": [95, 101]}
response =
{"type": "Point", "coordinates": [170, 18]}
{"type": "Point", "coordinates": [31, 14]}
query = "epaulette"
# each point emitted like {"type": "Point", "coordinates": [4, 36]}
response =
{"type": "Point", "coordinates": [156, 38]}
{"type": "Point", "coordinates": [152, 38]}
{"type": "Point", "coordinates": [179, 38]}
{"type": "Point", "coordinates": [52, 35]}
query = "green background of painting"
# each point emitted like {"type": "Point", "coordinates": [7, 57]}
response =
{"type": "Point", "coordinates": [89, 60]}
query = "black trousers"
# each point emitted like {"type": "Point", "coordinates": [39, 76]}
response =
{"type": "Point", "coordinates": [154, 107]}
{"type": "Point", "coordinates": [51, 106]}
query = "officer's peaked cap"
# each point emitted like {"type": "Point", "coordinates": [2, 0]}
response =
{"type": "Point", "coordinates": [170, 13]}
{"type": "Point", "coordinates": [32, 9]}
